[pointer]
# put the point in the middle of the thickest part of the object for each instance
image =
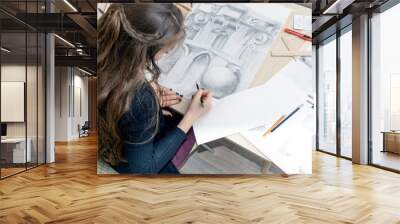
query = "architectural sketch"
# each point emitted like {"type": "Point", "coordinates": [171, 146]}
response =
{"type": "Point", "coordinates": [224, 46]}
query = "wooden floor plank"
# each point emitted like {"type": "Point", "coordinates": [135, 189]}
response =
{"type": "Point", "coordinates": [70, 191]}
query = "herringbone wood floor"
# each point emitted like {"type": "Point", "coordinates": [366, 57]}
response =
{"type": "Point", "coordinates": [69, 191]}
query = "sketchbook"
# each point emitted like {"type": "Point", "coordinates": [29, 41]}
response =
{"type": "Point", "coordinates": [224, 47]}
{"type": "Point", "coordinates": [256, 106]}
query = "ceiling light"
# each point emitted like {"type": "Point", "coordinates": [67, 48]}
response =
{"type": "Point", "coordinates": [338, 6]}
{"type": "Point", "coordinates": [65, 41]}
{"type": "Point", "coordinates": [328, 10]}
{"type": "Point", "coordinates": [84, 71]}
{"type": "Point", "coordinates": [5, 50]}
{"type": "Point", "coordinates": [70, 5]}
{"type": "Point", "coordinates": [80, 51]}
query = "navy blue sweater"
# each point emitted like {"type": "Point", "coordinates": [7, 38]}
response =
{"type": "Point", "coordinates": [144, 152]}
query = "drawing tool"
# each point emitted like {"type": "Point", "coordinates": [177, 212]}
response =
{"type": "Point", "coordinates": [310, 102]}
{"type": "Point", "coordinates": [286, 118]}
{"type": "Point", "coordinates": [201, 98]}
{"type": "Point", "coordinates": [273, 126]}
{"type": "Point", "coordinates": [298, 34]}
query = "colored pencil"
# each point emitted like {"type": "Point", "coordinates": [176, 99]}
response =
{"type": "Point", "coordinates": [273, 126]}
{"type": "Point", "coordinates": [201, 98]}
{"type": "Point", "coordinates": [286, 118]}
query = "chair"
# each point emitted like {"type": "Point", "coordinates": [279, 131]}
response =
{"type": "Point", "coordinates": [84, 130]}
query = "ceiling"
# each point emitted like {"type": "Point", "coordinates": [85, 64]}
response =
{"type": "Point", "coordinates": [75, 21]}
{"type": "Point", "coordinates": [330, 15]}
{"type": "Point", "coordinates": [72, 20]}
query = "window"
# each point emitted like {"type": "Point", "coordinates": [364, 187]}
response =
{"type": "Point", "coordinates": [385, 90]}
{"type": "Point", "coordinates": [346, 92]}
{"type": "Point", "coordinates": [327, 96]}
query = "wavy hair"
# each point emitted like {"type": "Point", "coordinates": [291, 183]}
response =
{"type": "Point", "coordinates": [129, 37]}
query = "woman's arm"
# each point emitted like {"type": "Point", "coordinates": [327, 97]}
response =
{"type": "Point", "coordinates": [151, 157]}
{"type": "Point", "coordinates": [145, 152]}
{"type": "Point", "coordinates": [145, 149]}
{"type": "Point", "coordinates": [201, 104]}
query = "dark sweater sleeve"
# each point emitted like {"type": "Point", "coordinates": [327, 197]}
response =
{"type": "Point", "coordinates": [143, 150]}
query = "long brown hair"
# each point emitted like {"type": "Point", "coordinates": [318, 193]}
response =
{"type": "Point", "coordinates": [129, 37]}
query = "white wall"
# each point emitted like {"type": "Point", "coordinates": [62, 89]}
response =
{"type": "Point", "coordinates": [79, 117]}
{"type": "Point", "coordinates": [70, 83]}
{"type": "Point", "coordinates": [62, 81]}
{"type": "Point", "coordinates": [17, 72]}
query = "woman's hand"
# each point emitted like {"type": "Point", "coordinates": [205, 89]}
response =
{"type": "Point", "coordinates": [201, 104]}
{"type": "Point", "coordinates": [168, 97]}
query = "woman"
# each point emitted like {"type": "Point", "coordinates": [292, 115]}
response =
{"type": "Point", "coordinates": [134, 134]}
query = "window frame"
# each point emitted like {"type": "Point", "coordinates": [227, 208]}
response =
{"type": "Point", "coordinates": [334, 37]}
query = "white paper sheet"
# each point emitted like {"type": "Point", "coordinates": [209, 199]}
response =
{"type": "Point", "coordinates": [256, 106]}
{"type": "Point", "coordinates": [302, 22]}
{"type": "Point", "coordinates": [290, 146]}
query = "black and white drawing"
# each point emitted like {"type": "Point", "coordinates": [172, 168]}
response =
{"type": "Point", "coordinates": [224, 46]}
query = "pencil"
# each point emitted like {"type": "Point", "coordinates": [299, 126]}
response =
{"type": "Point", "coordinates": [273, 126]}
{"type": "Point", "coordinates": [291, 114]}
{"type": "Point", "coordinates": [201, 98]}
{"type": "Point", "coordinates": [298, 34]}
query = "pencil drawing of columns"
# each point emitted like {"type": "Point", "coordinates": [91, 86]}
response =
{"type": "Point", "coordinates": [224, 46]}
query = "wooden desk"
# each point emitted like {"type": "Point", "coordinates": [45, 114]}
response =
{"type": "Point", "coordinates": [270, 67]}
{"type": "Point", "coordinates": [391, 141]}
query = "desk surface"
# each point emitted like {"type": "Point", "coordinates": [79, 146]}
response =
{"type": "Point", "coordinates": [270, 66]}
{"type": "Point", "coordinates": [13, 140]}
{"type": "Point", "coordinates": [390, 132]}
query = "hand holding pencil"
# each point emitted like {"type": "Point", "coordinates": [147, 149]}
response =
{"type": "Point", "coordinates": [196, 109]}
{"type": "Point", "coordinates": [201, 103]}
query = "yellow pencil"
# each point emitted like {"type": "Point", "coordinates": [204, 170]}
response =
{"type": "Point", "coordinates": [274, 125]}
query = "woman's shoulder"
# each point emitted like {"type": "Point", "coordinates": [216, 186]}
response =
{"type": "Point", "coordinates": [138, 123]}
{"type": "Point", "coordinates": [144, 100]}
{"type": "Point", "coordinates": [145, 93]}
